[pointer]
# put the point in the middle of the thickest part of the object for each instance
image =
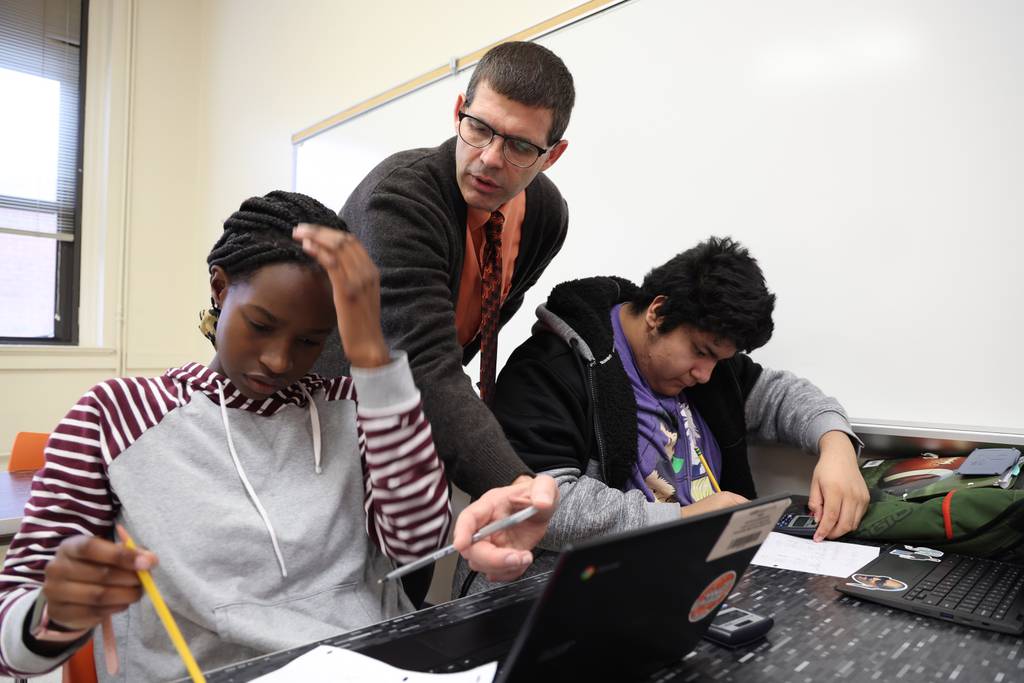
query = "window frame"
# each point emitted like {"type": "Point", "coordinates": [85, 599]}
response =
{"type": "Point", "coordinates": [67, 291]}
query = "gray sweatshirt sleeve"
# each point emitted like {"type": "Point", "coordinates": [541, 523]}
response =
{"type": "Point", "coordinates": [16, 654]}
{"type": "Point", "coordinates": [588, 507]}
{"type": "Point", "coordinates": [789, 409]}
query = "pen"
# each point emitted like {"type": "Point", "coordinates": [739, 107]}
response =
{"type": "Point", "coordinates": [165, 614]}
{"type": "Point", "coordinates": [492, 528]}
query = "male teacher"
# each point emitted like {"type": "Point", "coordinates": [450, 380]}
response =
{"type": "Point", "coordinates": [460, 232]}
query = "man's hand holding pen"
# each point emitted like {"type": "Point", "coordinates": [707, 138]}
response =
{"type": "Point", "coordinates": [505, 555]}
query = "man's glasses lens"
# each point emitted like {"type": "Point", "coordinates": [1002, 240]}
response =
{"type": "Point", "coordinates": [476, 133]}
{"type": "Point", "coordinates": [520, 153]}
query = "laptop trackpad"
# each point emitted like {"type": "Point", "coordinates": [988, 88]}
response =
{"type": "Point", "coordinates": [481, 637]}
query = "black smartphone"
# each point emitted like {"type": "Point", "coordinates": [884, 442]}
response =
{"type": "Point", "coordinates": [734, 627]}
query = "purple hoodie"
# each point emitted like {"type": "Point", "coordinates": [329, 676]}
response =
{"type": "Point", "coordinates": [669, 430]}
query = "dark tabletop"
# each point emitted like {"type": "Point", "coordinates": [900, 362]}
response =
{"type": "Point", "coordinates": [14, 492]}
{"type": "Point", "coordinates": [819, 635]}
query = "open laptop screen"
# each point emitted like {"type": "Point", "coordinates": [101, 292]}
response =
{"type": "Point", "coordinates": [623, 606]}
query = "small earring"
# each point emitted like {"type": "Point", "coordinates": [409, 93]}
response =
{"type": "Point", "coordinates": [208, 322]}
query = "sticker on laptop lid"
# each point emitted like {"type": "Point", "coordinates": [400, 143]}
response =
{"type": "Point", "coordinates": [712, 596]}
{"type": "Point", "coordinates": [874, 582]}
{"type": "Point", "coordinates": [747, 528]}
{"type": "Point", "coordinates": [918, 553]}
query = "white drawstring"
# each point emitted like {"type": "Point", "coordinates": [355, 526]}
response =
{"type": "Point", "coordinates": [245, 482]}
{"type": "Point", "coordinates": [314, 421]}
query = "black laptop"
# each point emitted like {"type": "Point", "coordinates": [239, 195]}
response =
{"type": "Point", "coordinates": [966, 590]}
{"type": "Point", "coordinates": [614, 608]}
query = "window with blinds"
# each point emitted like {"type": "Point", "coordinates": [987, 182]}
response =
{"type": "Point", "coordinates": [42, 59]}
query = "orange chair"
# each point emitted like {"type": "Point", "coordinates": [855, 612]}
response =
{"type": "Point", "coordinates": [81, 668]}
{"type": "Point", "coordinates": [27, 455]}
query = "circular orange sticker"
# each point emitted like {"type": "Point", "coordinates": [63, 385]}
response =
{"type": "Point", "coordinates": [712, 596]}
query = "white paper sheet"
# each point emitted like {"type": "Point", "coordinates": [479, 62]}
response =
{"type": "Point", "coordinates": [831, 558]}
{"type": "Point", "coordinates": [326, 664]}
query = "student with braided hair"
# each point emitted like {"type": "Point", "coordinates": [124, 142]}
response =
{"type": "Point", "coordinates": [274, 499]}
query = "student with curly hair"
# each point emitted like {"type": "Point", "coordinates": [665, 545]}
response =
{"type": "Point", "coordinates": [639, 401]}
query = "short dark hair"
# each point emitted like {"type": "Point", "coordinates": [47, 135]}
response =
{"type": "Point", "coordinates": [260, 233]}
{"type": "Point", "coordinates": [530, 74]}
{"type": "Point", "coordinates": [715, 287]}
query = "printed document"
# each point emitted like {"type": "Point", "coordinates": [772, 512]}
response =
{"type": "Point", "coordinates": [831, 558]}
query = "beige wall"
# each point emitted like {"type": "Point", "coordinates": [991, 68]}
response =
{"type": "Point", "coordinates": [275, 68]}
{"type": "Point", "coordinates": [190, 109]}
{"type": "Point", "coordinates": [166, 247]}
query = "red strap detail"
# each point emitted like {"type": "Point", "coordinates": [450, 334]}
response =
{"type": "Point", "coordinates": [47, 633]}
{"type": "Point", "coordinates": [947, 518]}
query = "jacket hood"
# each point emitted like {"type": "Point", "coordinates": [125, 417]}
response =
{"type": "Point", "coordinates": [198, 377]}
{"type": "Point", "coordinates": [577, 311]}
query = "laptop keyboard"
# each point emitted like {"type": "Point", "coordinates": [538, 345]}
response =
{"type": "Point", "coordinates": [968, 585]}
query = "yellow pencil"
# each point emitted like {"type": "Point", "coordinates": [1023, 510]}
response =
{"type": "Point", "coordinates": [164, 614]}
{"type": "Point", "coordinates": [707, 468]}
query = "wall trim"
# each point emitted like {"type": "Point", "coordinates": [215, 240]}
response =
{"type": "Point", "coordinates": [457, 64]}
{"type": "Point", "coordinates": [57, 358]}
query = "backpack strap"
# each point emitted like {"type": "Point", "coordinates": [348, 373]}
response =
{"type": "Point", "coordinates": [947, 514]}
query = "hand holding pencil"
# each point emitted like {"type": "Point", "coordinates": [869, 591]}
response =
{"type": "Point", "coordinates": [91, 578]}
{"type": "Point", "coordinates": [505, 555]}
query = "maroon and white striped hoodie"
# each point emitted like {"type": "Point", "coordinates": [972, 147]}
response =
{"type": "Point", "coordinates": [272, 520]}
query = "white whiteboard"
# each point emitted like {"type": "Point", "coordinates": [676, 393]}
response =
{"type": "Point", "coordinates": [870, 154]}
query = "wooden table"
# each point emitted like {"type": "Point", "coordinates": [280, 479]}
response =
{"type": "Point", "coordinates": [14, 493]}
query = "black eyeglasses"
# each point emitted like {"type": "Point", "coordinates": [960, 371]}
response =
{"type": "Point", "coordinates": [476, 133]}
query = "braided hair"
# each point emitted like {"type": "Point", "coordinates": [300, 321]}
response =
{"type": "Point", "coordinates": [260, 234]}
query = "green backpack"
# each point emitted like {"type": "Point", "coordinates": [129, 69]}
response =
{"type": "Point", "coordinates": [963, 515]}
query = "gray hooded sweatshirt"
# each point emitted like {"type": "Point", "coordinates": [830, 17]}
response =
{"type": "Point", "coordinates": [272, 521]}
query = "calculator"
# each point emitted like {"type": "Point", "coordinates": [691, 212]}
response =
{"type": "Point", "coordinates": [797, 521]}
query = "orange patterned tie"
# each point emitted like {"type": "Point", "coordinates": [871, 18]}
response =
{"type": "Point", "coordinates": [490, 304]}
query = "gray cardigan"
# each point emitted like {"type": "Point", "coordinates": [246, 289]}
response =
{"type": "Point", "coordinates": [411, 217]}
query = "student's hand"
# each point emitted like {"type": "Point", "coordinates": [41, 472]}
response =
{"type": "Point", "coordinates": [504, 556]}
{"type": "Point", "coordinates": [355, 281]}
{"type": "Point", "coordinates": [716, 501]}
{"type": "Point", "coordinates": [839, 497]}
{"type": "Point", "coordinates": [91, 578]}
